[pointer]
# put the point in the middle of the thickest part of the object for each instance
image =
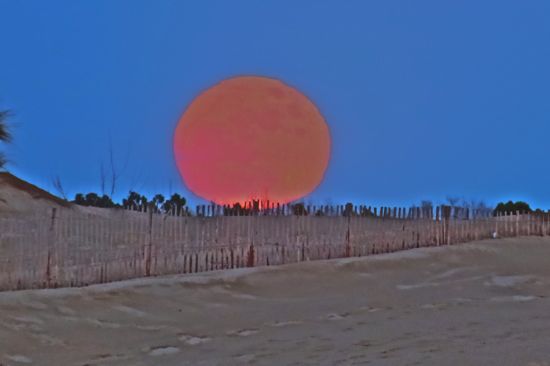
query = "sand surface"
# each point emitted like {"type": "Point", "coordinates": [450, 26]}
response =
{"type": "Point", "coordinates": [485, 303]}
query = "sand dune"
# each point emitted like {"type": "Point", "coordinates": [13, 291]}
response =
{"type": "Point", "coordinates": [19, 197]}
{"type": "Point", "coordinates": [484, 303]}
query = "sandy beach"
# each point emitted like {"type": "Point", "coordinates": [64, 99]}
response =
{"type": "Point", "coordinates": [485, 303]}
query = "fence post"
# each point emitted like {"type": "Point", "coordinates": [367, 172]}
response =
{"type": "Point", "coordinates": [51, 239]}
{"type": "Point", "coordinates": [348, 241]}
{"type": "Point", "coordinates": [250, 256]}
{"type": "Point", "coordinates": [149, 245]}
{"type": "Point", "coordinates": [446, 213]}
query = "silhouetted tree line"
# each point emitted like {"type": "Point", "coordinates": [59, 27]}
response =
{"type": "Point", "coordinates": [237, 209]}
{"type": "Point", "coordinates": [94, 200]}
{"type": "Point", "coordinates": [296, 209]}
{"type": "Point", "coordinates": [175, 204]}
{"type": "Point", "coordinates": [513, 208]}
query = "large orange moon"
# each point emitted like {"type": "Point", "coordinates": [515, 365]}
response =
{"type": "Point", "coordinates": [249, 138]}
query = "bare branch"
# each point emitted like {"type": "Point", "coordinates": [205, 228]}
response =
{"type": "Point", "coordinates": [114, 175]}
{"type": "Point", "coordinates": [102, 177]}
{"type": "Point", "coordinates": [58, 186]}
{"type": "Point", "coordinates": [5, 135]}
{"type": "Point", "coordinates": [426, 204]}
{"type": "Point", "coordinates": [452, 201]}
{"type": "Point", "coordinates": [3, 161]}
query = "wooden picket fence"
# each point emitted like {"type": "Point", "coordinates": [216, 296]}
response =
{"type": "Point", "coordinates": [64, 248]}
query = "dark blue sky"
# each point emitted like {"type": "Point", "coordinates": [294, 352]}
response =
{"type": "Point", "coordinates": [424, 98]}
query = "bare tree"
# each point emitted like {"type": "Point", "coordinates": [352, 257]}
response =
{"type": "Point", "coordinates": [116, 170]}
{"type": "Point", "coordinates": [58, 186]}
{"type": "Point", "coordinates": [5, 135]}
{"type": "Point", "coordinates": [482, 205]}
{"type": "Point", "coordinates": [114, 174]}
{"type": "Point", "coordinates": [478, 207]}
{"type": "Point", "coordinates": [102, 178]}
{"type": "Point", "coordinates": [453, 201]}
{"type": "Point", "coordinates": [426, 204]}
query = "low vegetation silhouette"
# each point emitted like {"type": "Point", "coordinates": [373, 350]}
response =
{"type": "Point", "coordinates": [177, 205]}
{"type": "Point", "coordinates": [134, 201]}
{"type": "Point", "coordinates": [513, 207]}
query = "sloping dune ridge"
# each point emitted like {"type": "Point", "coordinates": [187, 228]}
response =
{"type": "Point", "coordinates": [17, 195]}
{"type": "Point", "coordinates": [484, 303]}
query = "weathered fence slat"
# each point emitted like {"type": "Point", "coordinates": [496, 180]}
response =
{"type": "Point", "coordinates": [66, 248]}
